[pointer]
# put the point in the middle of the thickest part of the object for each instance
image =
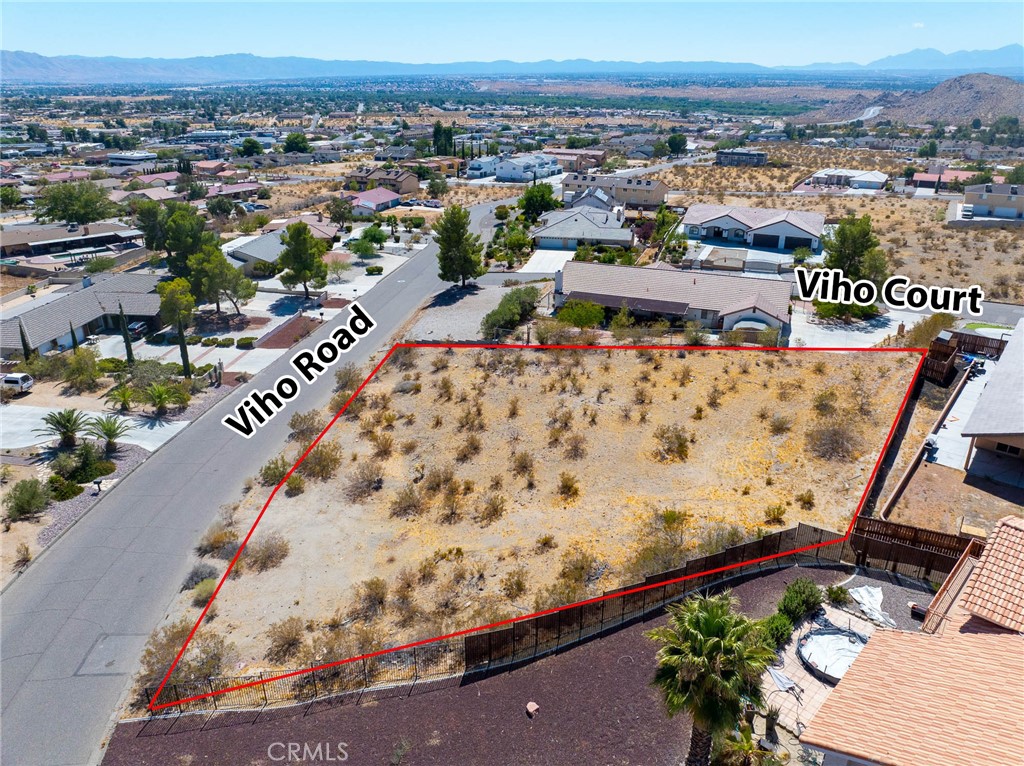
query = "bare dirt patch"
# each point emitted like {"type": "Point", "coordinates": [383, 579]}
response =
{"type": "Point", "coordinates": [471, 486]}
{"type": "Point", "coordinates": [289, 333]}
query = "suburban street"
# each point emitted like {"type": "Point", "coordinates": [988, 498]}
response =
{"type": "Point", "coordinates": [75, 623]}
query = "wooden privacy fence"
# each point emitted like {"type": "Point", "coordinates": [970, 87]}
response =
{"type": "Point", "coordinates": [908, 551]}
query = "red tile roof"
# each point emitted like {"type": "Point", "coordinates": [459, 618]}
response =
{"type": "Point", "coordinates": [996, 591]}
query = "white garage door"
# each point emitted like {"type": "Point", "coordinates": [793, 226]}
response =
{"type": "Point", "coordinates": [1005, 212]}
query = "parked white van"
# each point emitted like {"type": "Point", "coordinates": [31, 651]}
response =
{"type": "Point", "coordinates": [19, 382]}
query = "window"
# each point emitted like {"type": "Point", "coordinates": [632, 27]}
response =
{"type": "Point", "coordinates": [1008, 449]}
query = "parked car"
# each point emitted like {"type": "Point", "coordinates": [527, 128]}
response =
{"type": "Point", "coordinates": [19, 382]}
{"type": "Point", "coordinates": [260, 206]}
{"type": "Point", "coordinates": [432, 203]}
{"type": "Point", "coordinates": [137, 329]}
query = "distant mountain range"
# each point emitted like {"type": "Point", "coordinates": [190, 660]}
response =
{"type": "Point", "coordinates": [24, 67]}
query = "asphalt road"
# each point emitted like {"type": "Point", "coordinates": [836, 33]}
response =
{"type": "Point", "coordinates": [75, 623]}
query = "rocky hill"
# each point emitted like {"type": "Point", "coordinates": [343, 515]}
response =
{"type": "Point", "coordinates": [955, 101]}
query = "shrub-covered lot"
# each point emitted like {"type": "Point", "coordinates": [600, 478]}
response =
{"type": "Point", "coordinates": [466, 486]}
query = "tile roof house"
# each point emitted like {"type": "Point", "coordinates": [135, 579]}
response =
{"type": "Point", "coordinates": [567, 229]}
{"type": "Point", "coordinates": [320, 227]}
{"type": "Point", "coordinates": [949, 695]}
{"type": "Point", "coordinates": [265, 248]}
{"type": "Point", "coordinates": [398, 180]}
{"type": "Point", "coordinates": [718, 301]}
{"type": "Point", "coordinates": [43, 239]}
{"type": "Point", "coordinates": [593, 197]}
{"type": "Point", "coordinates": [366, 203]}
{"type": "Point", "coordinates": [88, 306]}
{"type": "Point", "coordinates": [157, 194]}
{"type": "Point", "coordinates": [758, 227]}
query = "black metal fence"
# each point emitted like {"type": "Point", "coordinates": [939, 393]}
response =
{"type": "Point", "coordinates": [879, 544]}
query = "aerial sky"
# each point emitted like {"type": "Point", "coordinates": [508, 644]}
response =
{"type": "Point", "coordinates": [767, 33]}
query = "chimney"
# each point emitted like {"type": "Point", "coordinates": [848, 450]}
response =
{"type": "Point", "coordinates": [87, 281]}
{"type": "Point", "coordinates": [558, 281]}
{"type": "Point", "coordinates": [988, 188]}
{"type": "Point", "coordinates": [319, 217]}
{"type": "Point", "coordinates": [85, 230]}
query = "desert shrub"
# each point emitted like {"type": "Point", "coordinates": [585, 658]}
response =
{"type": "Point", "coordinates": [347, 378]}
{"type": "Point", "coordinates": [383, 445]}
{"type": "Point", "coordinates": [469, 448]}
{"type": "Point", "coordinates": [408, 502]}
{"type": "Point", "coordinates": [437, 478]}
{"type": "Point", "coordinates": [208, 342]}
{"type": "Point", "coordinates": [404, 357]}
{"type": "Point", "coordinates": [216, 538]}
{"type": "Point", "coordinates": [826, 402]}
{"type": "Point", "coordinates": [65, 464]}
{"type": "Point", "coordinates": [306, 426]}
{"type": "Point", "coordinates": [779, 425]}
{"type": "Point", "coordinates": [492, 509]}
{"type": "Point", "coordinates": [367, 478]}
{"type": "Point", "coordinates": [513, 584]}
{"type": "Point", "coordinates": [806, 499]}
{"type": "Point", "coordinates": [207, 655]}
{"type": "Point", "coordinates": [286, 638]}
{"type": "Point", "coordinates": [322, 462]}
{"type": "Point", "coordinates": [838, 595]}
{"type": "Point", "coordinates": [775, 514]}
{"type": "Point", "coordinates": [27, 498]}
{"type": "Point", "coordinates": [575, 446]}
{"type": "Point", "coordinates": [225, 342]}
{"type": "Point", "coordinates": [274, 470]}
{"type": "Point", "coordinates": [371, 597]}
{"type": "Point", "coordinates": [109, 365]}
{"type": "Point", "coordinates": [201, 571]}
{"type": "Point", "coordinates": [203, 591]}
{"type": "Point", "coordinates": [374, 271]}
{"type": "Point", "coordinates": [513, 408]}
{"type": "Point", "coordinates": [834, 439]}
{"type": "Point", "coordinates": [266, 552]}
{"type": "Point", "coordinates": [719, 537]}
{"type": "Point", "coordinates": [427, 571]}
{"type": "Point", "coordinates": [715, 397]}
{"type": "Point", "coordinates": [62, 489]}
{"type": "Point", "coordinates": [90, 464]}
{"type": "Point", "coordinates": [22, 556]}
{"type": "Point", "coordinates": [545, 543]}
{"type": "Point", "coordinates": [673, 443]}
{"type": "Point", "coordinates": [801, 598]}
{"type": "Point", "coordinates": [522, 463]}
{"type": "Point", "coordinates": [295, 485]}
{"type": "Point", "coordinates": [777, 629]}
{"type": "Point", "coordinates": [568, 486]}
{"type": "Point", "coordinates": [515, 306]}
{"type": "Point", "coordinates": [764, 413]}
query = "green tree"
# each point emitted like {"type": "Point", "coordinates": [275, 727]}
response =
{"type": "Point", "coordinates": [250, 147]}
{"type": "Point", "coordinates": [9, 197]}
{"type": "Point", "coordinates": [176, 307]}
{"type": "Point", "coordinates": [537, 200]}
{"type": "Point", "coordinates": [581, 314]}
{"type": "Point", "coordinates": [1016, 176]}
{"type": "Point", "coordinates": [622, 323]}
{"type": "Point", "coordinates": [185, 235]}
{"type": "Point", "coordinates": [459, 251]}
{"type": "Point", "coordinates": [501, 212]}
{"type": "Point", "coordinates": [100, 263]}
{"type": "Point", "coordinates": [437, 188]}
{"type": "Point", "coordinates": [122, 322]}
{"type": "Point", "coordinates": [82, 202]}
{"type": "Point", "coordinates": [28, 497]}
{"type": "Point", "coordinates": [363, 248]}
{"type": "Point", "coordinates": [302, 258]}
{"type": "Point", "coordinates": [74, 336]}
{"type": "Point", "coordinates": [853, 249]}
{"type": "Point", "coordinates": [339, 210]}
{"type": "Point", "coordinates": [82, 372]}
{"type": "Point", "coordinates": [210, 275]}
{"type": "Point", "coordinates": [660, 149]}
{"type": "Point", "coordinates": [219, 206]}
{"type": "Point", "coordinates": [517, 242]}
{"type": "Point", "coordinates": [375, 235]}
{"type": "Point", "coordinates": [677, 143]}
{"type": "Point", "coordinates": [711, 658]}
{"type": "Point", "coordinates": [297, 142]}
{"type": "Point", "coordinates": [65, 424]}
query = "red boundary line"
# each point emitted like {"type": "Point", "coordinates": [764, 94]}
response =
{"type": "Point", "coordinates": [874, 472]}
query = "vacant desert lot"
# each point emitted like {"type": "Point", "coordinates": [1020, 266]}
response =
{"type": "Point", "coordinates": [475, 485]}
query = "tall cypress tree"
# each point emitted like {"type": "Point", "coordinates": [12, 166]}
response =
{"type": "Point", "coordinates": [26, 349]}
{"type": "Point", "coordinates": [74, 337]}
{"type": "Point", "coordinates": [123, 321]}
{"type": "Point", "coordinates": [186, 368]}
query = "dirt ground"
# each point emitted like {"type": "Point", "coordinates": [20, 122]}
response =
{"type": "Point", "coordinates": [912, 234]}
{"type": "Point", "coordinates": [944, 498]}
{"type": "Point", "coordinates": [474, 194]}
{"type": "Point", "coordinates": [798, 161]}
{"type": "Point", "coordinates": [735, 470]}
{"type": "Point", "coordinates": [9, 283]}
{"type": "Point", "coordinates": [25, 531]}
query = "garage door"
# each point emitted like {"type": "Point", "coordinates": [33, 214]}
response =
{"type": "Point", "coordinates": [550, 243]}
{"type": "Point", "coordinates": [792, 243]}
{"type": "Point", "coordinates": [766, 240]}
{"type": "Point", "coordinates": [1005, 212]}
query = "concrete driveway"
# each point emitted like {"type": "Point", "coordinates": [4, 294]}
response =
{"type": "Point", "coordinates": [806, 328]}
{"type": "Point", "coordinates": [19, 424]}
{"type": "Point", "coordinates": [548, 261]}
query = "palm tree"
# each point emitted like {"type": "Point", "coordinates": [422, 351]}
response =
{"type": "Point", "coordinates": [711, 658]}
{"type": "Point", "coordinates": [160, 396]}
{"type": "Point", "coordinates": [121, 397]}
{"type": "Point", "coordinates": [743, 749]}
{"type": "Point", "coordinates": [65, 425]}
{"type": "Point", "coordinates": [110, 428]}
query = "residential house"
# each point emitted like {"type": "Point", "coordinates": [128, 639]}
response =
{"type": "Point", "coordinates": [527, 168]}
{"type": "Point", "coordinates": [568, 229]}
{"type": "Point", "coordinates": [578, 160]}
{"type": "Point", "coordinates": [595, 198]}
{"type": "Point", "coordinates": [995, 200]}
{"type": "Point", "coordinates": [30, 240]}
{"type": "Point", "coordinates": [319, 227]}
{"type": "Point", "coordinates": [366, 204]}
{"type": "Point", "coordinates": [944, 177]}
{"type": "Point", "coordinates": [758, 227]}
{"type": "Point", "coordinates": [233, 191]}
{"type": "Point", "coordinates": [250, 253]}
{"type": "Point", "coordinates": [156, 194]}
{"type": "Point", "coordinates": [717, 301]}
{"type": "Point", "coordinates": [84, 308]}
{"type": "Point", "coordinates": [67, 176]}
{"type": "Point", "coordinates": [997, 422]}
{"type": "Point", "coordinates": [209, 168]}
{"type": "Point", "coordinates": [397, 180]}
{"type": "Point", "coordinates": [854, 179]}
{"type": "Point", "coordinates": [642, 152]}
{"type": "Point", "coordinates": [950, 694]}
{"type": "Point", "coordinates": [158, 179]}
{"type": "Point", "coordinates": [736, 157]}
{"type": "Point", "coordinates": [482, 167]}
{"type": "Point", "coordinates": [326, 154]}
{"type": "Point", "coordinates": [394, 154]}
{"type": "Point", "coordinates": [629, 191]}
{"type": "Point", "coordinates": [131, 157]}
